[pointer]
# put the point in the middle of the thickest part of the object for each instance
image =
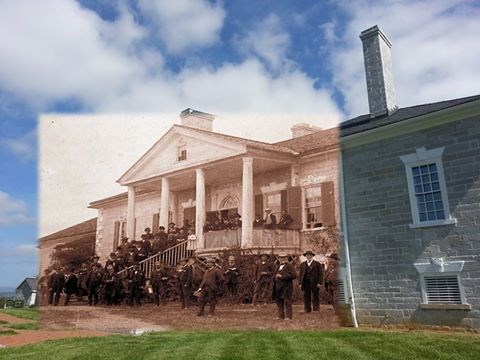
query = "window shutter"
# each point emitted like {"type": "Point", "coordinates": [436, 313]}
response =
{"type": "Point", "coordinates": [294, 201]}
{"type": "Point", "coordinates": [259, 205]}
{"type": "Point", "coordinates": [116, 235]}
{"type": "Point", "coordinates": [155, 221]}
{"type": "Point", "coordinates": [284, 200]}
{"type": "Point", "coordinates": [442, 290]}
{"type": "Point", "coordinates": [328, 204]}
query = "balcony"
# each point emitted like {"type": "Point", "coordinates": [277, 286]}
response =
{"type": "Point", "coordinates": [287, 240]}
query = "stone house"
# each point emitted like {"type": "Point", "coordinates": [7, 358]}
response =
{"type": "Point", "coordinates": [410, 188]}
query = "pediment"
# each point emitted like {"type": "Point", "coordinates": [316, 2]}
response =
{"type": "Point", "coordinates": [165, 155]}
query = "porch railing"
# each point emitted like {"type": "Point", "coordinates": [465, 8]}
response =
{"type": "Point", "coordinates": [170, 257]}
{"type": "Point", "coordinates": [275, 238]}
{"type": "Point", "coordinates": [260, 238]}
{"type": "Point", "coordinates": [222, 239]}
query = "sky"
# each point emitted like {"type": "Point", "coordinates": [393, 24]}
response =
{"type": "Point", "coordinates": [298, 59]}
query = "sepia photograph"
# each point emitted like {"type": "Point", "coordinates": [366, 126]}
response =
{"type": "Point", "coordinates": [209, 179]}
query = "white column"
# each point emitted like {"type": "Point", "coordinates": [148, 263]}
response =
{"type": "Point", "coordinates": [200, 208]}
{"type": "Point", "coordinates": [164, 203]}
{"type": "Point", "coordinates": [131, 213]}
{"type": "Point", "coordinates": [247, 202]}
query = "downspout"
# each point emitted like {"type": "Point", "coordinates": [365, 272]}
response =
{"type": "Point", "coordinates": [344, 229]}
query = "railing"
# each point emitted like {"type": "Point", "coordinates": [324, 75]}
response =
{"type": "Point", "coordinates": [275, 238]}
{"type": "Point", "coordinates": [260, 238]}
{"type": "Point", "coordinates": [222, 238]}
{"type": "Point", "coordinates": [170, 256]}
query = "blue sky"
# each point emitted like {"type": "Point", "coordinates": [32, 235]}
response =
{"type": "Point", "coordinates": [66, 56]}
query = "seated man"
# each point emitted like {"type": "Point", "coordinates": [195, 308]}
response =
{"type": "Point", "coordinates": [270, 221]}
{"type": "Point", "coordinates": [258, 222]}
{"type": "Point", "coordinates": [285, 220]}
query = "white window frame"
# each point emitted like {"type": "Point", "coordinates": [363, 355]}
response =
{"type": "Point", "coordinates": [438, 267]}
{"type": "Point", "coordinates": [180, 149]}
{"type": "Point", "coordinates": [425, 157]}
{"type": "Point", "coordinates": [304, 207]}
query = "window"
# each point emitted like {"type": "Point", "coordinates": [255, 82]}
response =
{"type": "Point", "coordinates": [182, 153]}
{"type": "Point", "coordinates": [427, 189]}
{"type": "Point", "coordinates": [274, 202]}
{"type": "Point", "coordinates": [313, 207]}
{"type": "Point", "coordinates": [440, 283]}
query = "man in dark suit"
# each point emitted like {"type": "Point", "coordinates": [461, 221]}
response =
{"type": "Point", "coordinates": [311, 278]}
{"type": "Point", "coordinates": [158, 280]}
{"type": "Point", "coordinates": [56, 282]}
{"type": "Point", "coordinates": [185, 277]}
{"type": "Point", "coordinates": [283, 287]}
{"type": "Point", "coordinates": [263, 279]}
{"type": "Point", "coordinates": [209, 288]}
{"type": "Point", "coordinates": [270, 221]}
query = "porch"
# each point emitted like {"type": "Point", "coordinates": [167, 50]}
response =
{"type": "Point", "coordinates": [262, 239]}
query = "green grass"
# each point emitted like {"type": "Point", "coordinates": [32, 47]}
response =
{"type": "Point", "coordinates": [24, 326]}
{"type": "Point", "coordinates": [7, 332]}
{"type": "Point", "coordinates": [230, 345]}
{"type": "Point", "coordinates": [24, 313]}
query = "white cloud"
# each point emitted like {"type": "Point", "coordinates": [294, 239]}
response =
{"type": "Point", "coordinates": [269, 41]}
{"type": "Point", "coordinates": [12, 211]}
{"type": "Point", "coordinates": [435, 50]}
{"type": "Point", "coordinates": [24, 147]}
{"type": "Point", "coordinates": [182, 24]}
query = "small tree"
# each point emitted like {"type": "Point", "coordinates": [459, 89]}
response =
{"type": "Point", "coordinates": [73, 253]}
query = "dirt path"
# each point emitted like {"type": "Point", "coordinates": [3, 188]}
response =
{"type": "Point", "coordinates": [13, 319]}
{"type": "Point", "coordinates": [80, 320]}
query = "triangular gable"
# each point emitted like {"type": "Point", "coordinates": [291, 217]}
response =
{"type": "Point", "coordinates": [162, 157]}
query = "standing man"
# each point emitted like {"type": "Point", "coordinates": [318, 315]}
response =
{"type": "Point", "coordinates": [283, 287]}
{"type": "Point", "coordinates": [185, 277]}
{"type": "Point", "coordinates": [263, 279]}
{"type": "Point", "coordinates": [311, 279]}
{"type": "Point", "coordinates": [136, 282]}
{"type": "Point", "coordinates": [71, 282]}
{"type": "Point", "coordinates": [270, 221]}
{"type": "Point", "coordinates": [94, 281]}
{"type": "Point", "coordinates": [231, 278]}
{"type": "Point", "coordinates": [159, 280]}
{"type": "Point", "coordinates": [56, 281]}
{"type": "Point", "coordinates": [208, 290]}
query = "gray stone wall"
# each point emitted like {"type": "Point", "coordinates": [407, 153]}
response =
{"type": "Point", "coordinates": [383, 247]}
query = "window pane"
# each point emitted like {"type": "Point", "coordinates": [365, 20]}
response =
{"type": "Point", "coordinates": [418, 189]}
{"type": "Point", "coordinates": [422, 208]}
{"type": "Point", "coordinates": [423, 216]}
{"type": "Point", "coordinates": [439, 205]}
{"type": "Point", "coordinates": [440, 215]}
{"type": "Point", "coordinates": [416, 171]}
{"type": "Point", "coordinates": [427, 188]}
{"type": "Point", "coordinates": [424, 169]}
{"type": "Point", "coordinates": [425, 179]}
{"type": "Point", "coordinates": [417, 180]}
{"type": "Point", "coordinates": [437, 196]}
{"type": "Point", "coordinates": [420, 199]}
{"type": "Point", "coordinates": [435, 186]}
{"type": "Point", "coordinates": [430, 206]}
{"type": "Point", "coordinates": [432, 167]}
{"type": "Point", "coordinates": [434, 177]}
{"type": "Point", "coordinates": [431, 216]}
{"type": "Point", "coordinates": [429, 197]}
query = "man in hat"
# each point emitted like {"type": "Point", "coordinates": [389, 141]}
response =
{"type": "Point", "coordinates": [94, 281]}
{"type": "Point", "coordinates": [310, 280]}
{"type": "Point", "coordinates": [159, 279]}
{"type": "Point", "coordinates": [185, 278]}
{"type": "Point", "coordinates": [331, 279]}
{"type": "Point", "coordinates": [285, 220]}
{"type": "Point", "coordinates": [71, 282]}
{"type": "Point", "coordinates": [258, 222]}
{"type": "Point", "coordinates": [270, 221]}
{"type": "Point", "coordinates": [263, 279]}
{"type": "Point", "coordinates": [136, 282]}
{"type": "Point", "coordinates": [283, 287]}
{"type": "Point", "coordinates": [56, 282]}
{"type": "Point", "coordinates": [211, 282]}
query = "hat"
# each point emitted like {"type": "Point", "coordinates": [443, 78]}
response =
{"type": "Point", "coordinates": [95, 257]}
{"type": "Point", "coordinates": [113, 254]}
{"type": "Point", "coordinates": [309, 251]}
{"type": "Point", "coordinates": [334, 256]}
{"type": "Point", "coordinates": [157, 263]}
{"type": "Point", "coordinates": [147, 228]}
{"type": "Point", "coordinates": [282, 254]}
{"type": "Point", "coordinates": [210, 260]}
{"type": "Point", "coordinates": [231, 257]}
{"type": "Point", "coordinates": [124, 238]}
{"type": "Point", "coordinates": [268, 209]}
{"type": "Point", "coordinates": [264, 254]}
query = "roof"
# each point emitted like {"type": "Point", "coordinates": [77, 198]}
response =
{"type": "Point", "coordinates": [31, 282]}
{"type": "Point", "coordinates": [317, 141]}
{"type": "Point", "coordinates": [251, 143]}
{"type": "Point", "coordinates": [365, 122]}
{"type": "Point", "coordinates": [85, 227]}
{"type": "Point", "coordinates": [117, 197]}
{"type": "Point", "coordinates": [327, 139]}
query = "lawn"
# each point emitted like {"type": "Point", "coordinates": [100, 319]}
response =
{"type": "Point", "coordinates": [24, 313]}
{"type": "Point", "coordinates": [288, 345]}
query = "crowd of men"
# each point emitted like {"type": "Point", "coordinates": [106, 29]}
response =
{"type": "Point", "coordinates": [191, 281]}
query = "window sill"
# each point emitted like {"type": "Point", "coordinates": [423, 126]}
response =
{"type": "Point", "coordinates": [433, 224]}
{"type": "Point", "coordinates": [446, 306]}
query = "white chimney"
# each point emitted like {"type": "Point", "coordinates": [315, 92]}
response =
{"type": "Point", "coordinates": [378, 71]}
{"type": "Point", "coordinates": [197, 119]}
{"type": "Point", "coordinates": [303, 129]}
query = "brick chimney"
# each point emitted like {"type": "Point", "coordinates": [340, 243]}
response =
{"type": "Point", "coordinates": [378, 71]}
{"type": "Point", "coordinates": [197, 119]}
{"type": "Point", "coordinates": [303, 129]}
